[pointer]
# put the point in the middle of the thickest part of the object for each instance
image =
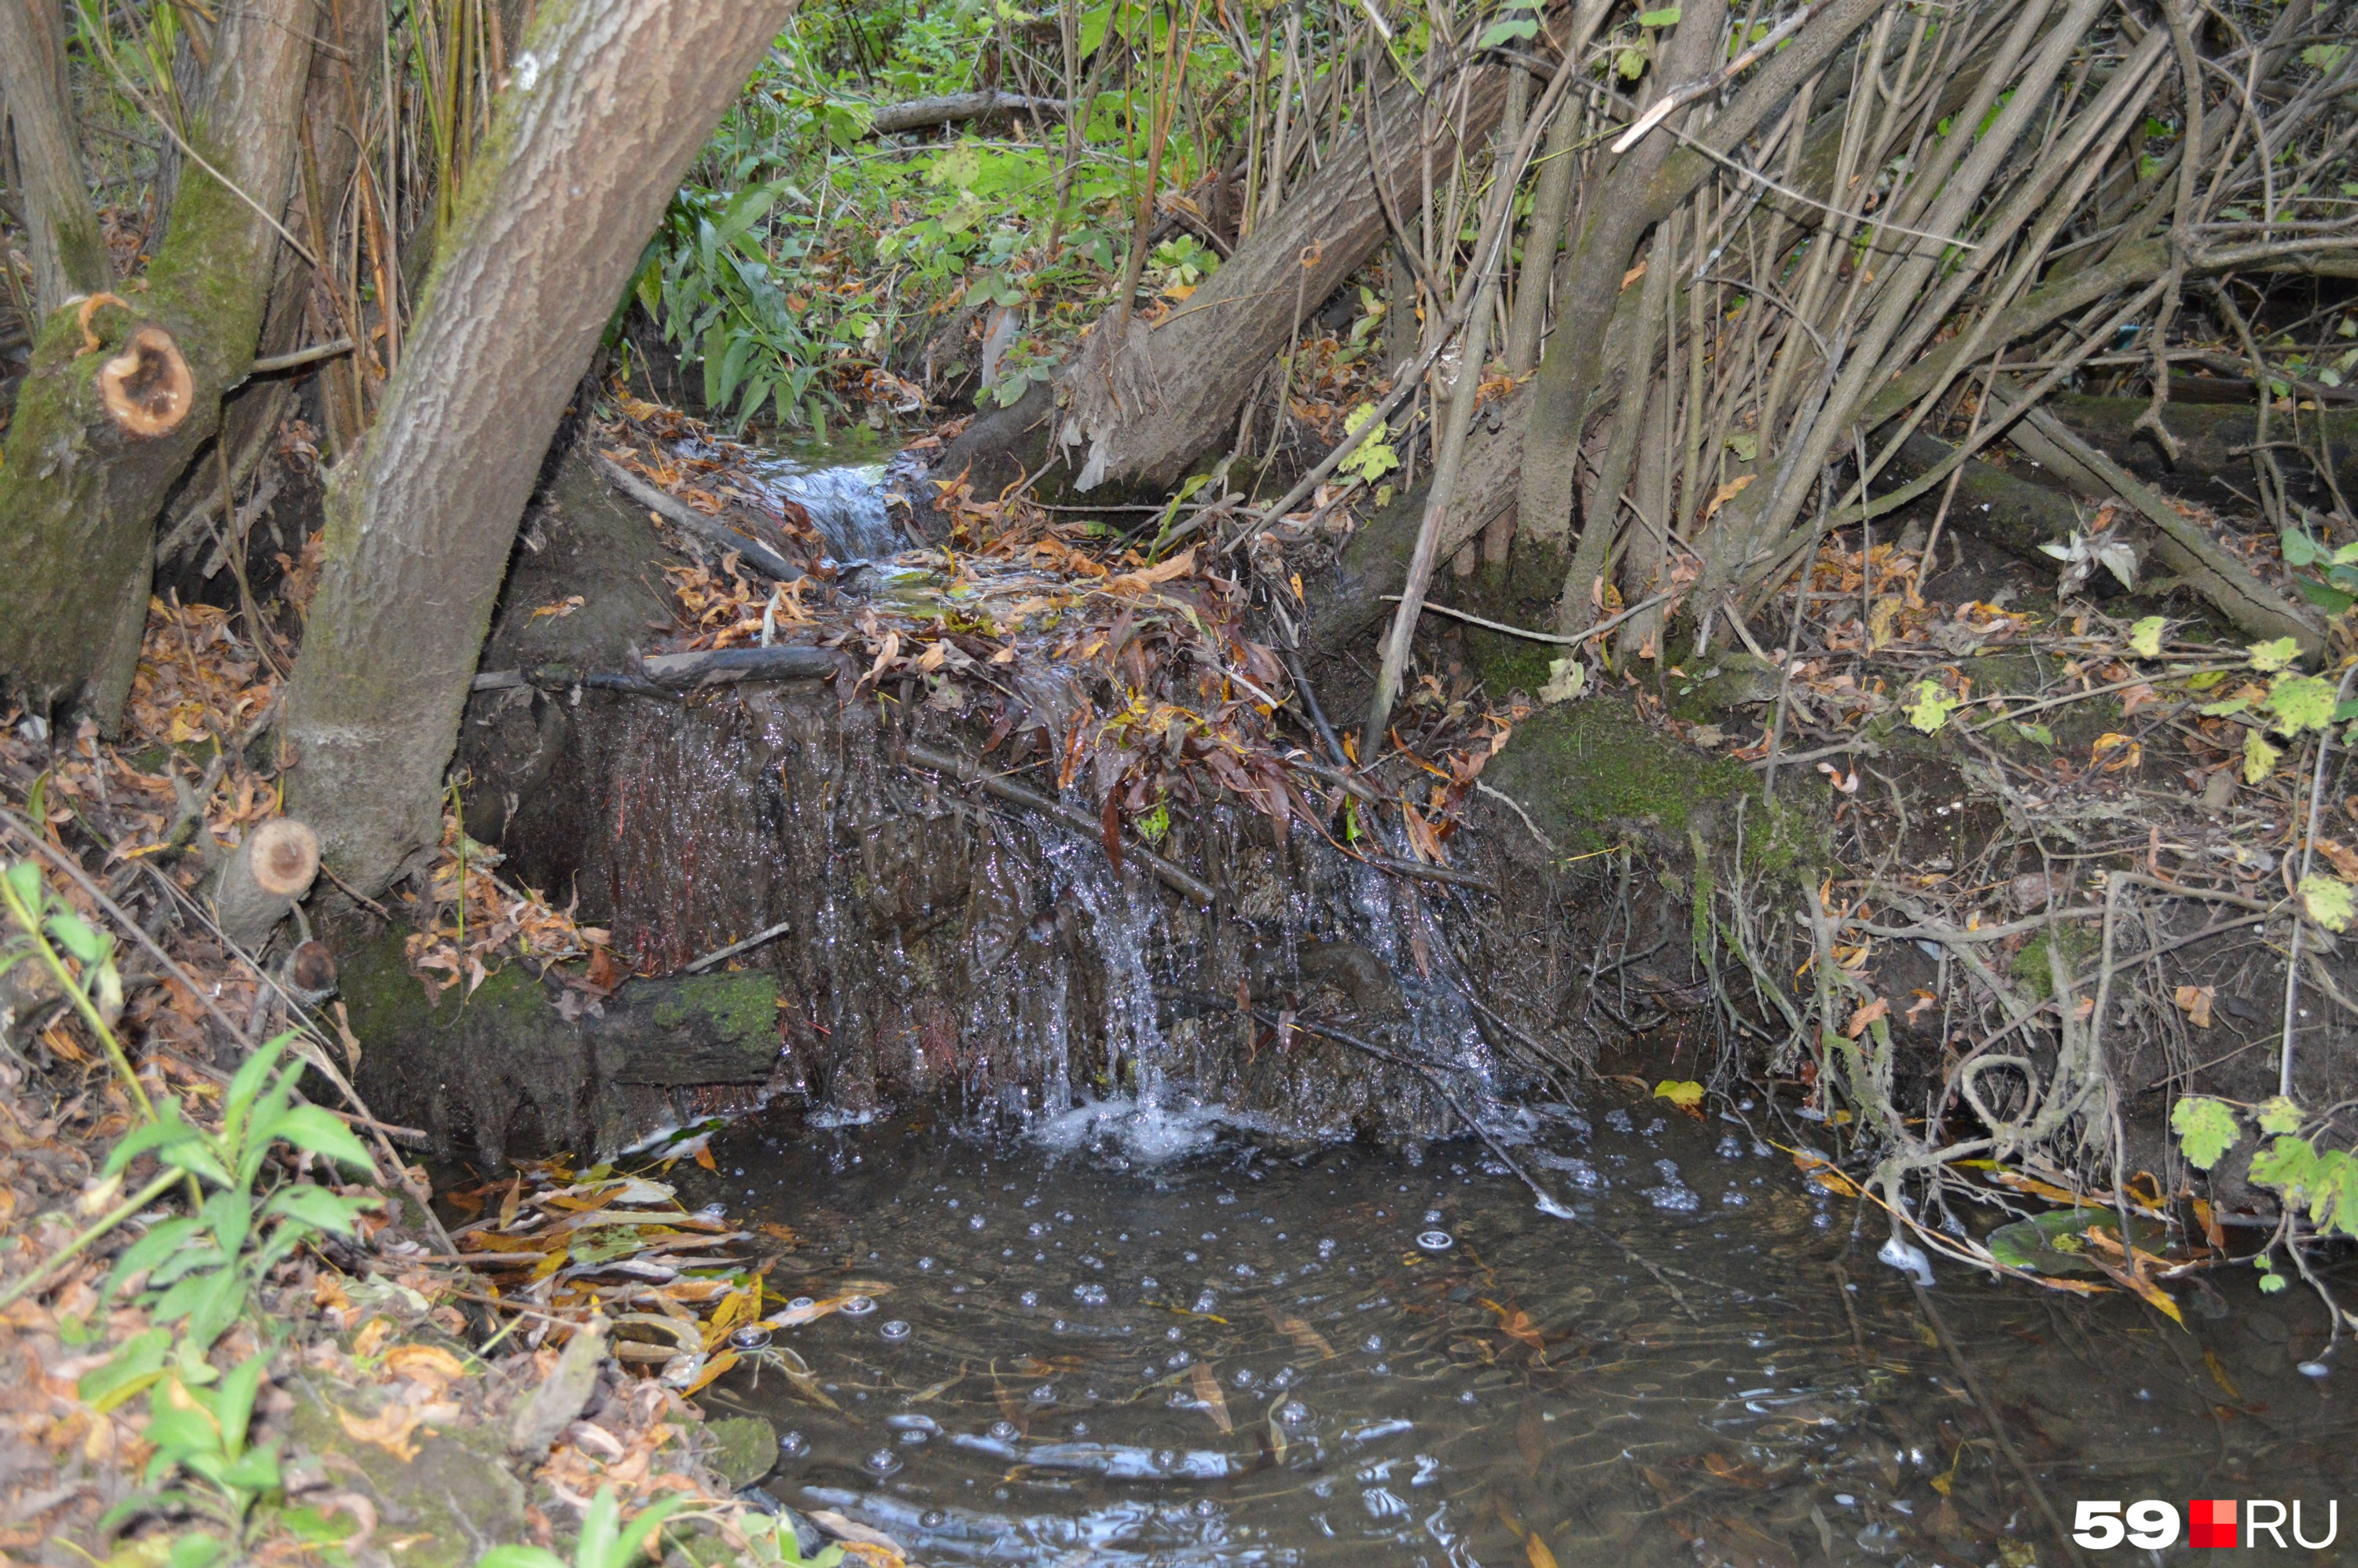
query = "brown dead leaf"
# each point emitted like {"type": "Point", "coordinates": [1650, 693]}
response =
{"type": "Point", "coordinates": [427, 1364]}
{"type": "Point", "coordinates": [389, 1429]}
{"type": "Point", "coordinates": [2195, 1001]}
{"type": "Point", "coordinates": [1872, 1012]}
{"type": "Point", "coordinates": [1209, 1396]}
{"type": "Point", "coordinates": [372, 1337]}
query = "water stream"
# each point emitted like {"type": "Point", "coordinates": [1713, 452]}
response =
{"type": "Point", "coordinates": [1114, 1321]}
{"type": "Point", "coordinates": [1273, 1353]}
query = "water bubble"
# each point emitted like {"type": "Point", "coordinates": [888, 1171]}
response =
{"type": "Point", "coordinates": [1030, 1298]}
{"type": "Point", "coordinates": [1466, 1396]}
{"type": "Point", "coordinates": [914, 1437]}
{"type": "Point", "coordinates": [714, 1211]}
{"type": "Point", "coordinates": [1080, 1429]}
{"type": "Point", "coordinates": [856, 1307]}
{"type": "Point", "coordinates": [1171, 1333]}
{"type": "Point", "coordinates": [1294, 1413]}
{"type": "Point", "coordinates": [1177, 1359]}
{"type": "Point", "coordinates": [1373, 1342]}
{"type": "Point", "coordinates": [801, 1303]}
{"type": "Point", "coordinates": [1245, 1378]}
{"type": "Point", "coordinates": [1036, 1229]}
{"type": "Point", "coordinates": [1731, 1148]}
{"type": "Point", "coordinates": [1618, 1120]}
{"type": "Point", "coordinates": [1432, 1216]}
{"type": "Point", "coordinates": [1326, 1247]}
{"type": "Point", "coordinates": [933, 1519]}
{"type": "Point", "coordinates": [1205, 1507]}
{"type": "Point", "coordinates": [753, 1336]}
{"type": "Point", "coordinates": [924, 1265]}
{"type": "Point", "coordinates": [1205, 1302]}
{"type": "Point", "coordinates": [2314, 1368]}
{"type": "Point", "coordinates": [1058, 1327]}
{"type": "Point", "coordinates": [975, 1223]}
{"type": "Point", "coordinates": [1045, 1394]}
{"type": "Point", "coordinates": [895, 1330]}
{"type": "Point", "coordinates": [1149, 1283]}
{"type": "Point", "coordinates": [1004, 1431]}
{"type": "Point", "coordinates": [1436, 1240]}
{"type": "Point", "coordinates": [883, 1462]}
{"type": "Point", "coordinates": [793, 1446]}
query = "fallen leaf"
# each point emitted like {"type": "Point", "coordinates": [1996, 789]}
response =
{"type": "Point", "coordinates": [389, 1429]}
{"type": "Point", "coordinates": [1872, 1012]}
{"type": "Point", "coordinates": [1209, 1396]}
{"type": "Point", "coordinates": [561, 609]}
{"type": "Point", "coordinates": [2195, 1002]}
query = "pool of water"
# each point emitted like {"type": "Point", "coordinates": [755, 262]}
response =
{"type": "Point", "coordinates": [1255, 1353]}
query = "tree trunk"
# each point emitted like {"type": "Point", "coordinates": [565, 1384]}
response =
{"type": "Point", "coordinates": [608, 101]}
{"type": "Point", "coordinates": [112, 410]}
{"type": "Point", "coordinates": [1639, 192]}
{"type": "Point", "coordinates": [60, 225]}
{"type": "Point", "coordinates": [1136, 414]}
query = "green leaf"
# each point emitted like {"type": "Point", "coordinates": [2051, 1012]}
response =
{"type": "Point", "coordinates": [310, 1127]}
{"type": "Point", "coordinates": [1745, 445]}
{"type": "Point", "coordinates": [521, 1557]}
{"type": "Point", "coordinates": [2273, 655]}
{"type": "Point", "coordinates": [2206, 1129]}
{"type": "Point", "coordinates": [2300, 702]}
{"type": "Point", "coordinates": [1497, 33]}
{"type": "Point", "coordinates": [2037, 734]}
{"type": "Point", "coordinates": [2145, 637]}
{"type": "Point", "coordinates": [317, 1208]}
{"type": "Point", "coordinates": [1668, 16]}
{"type": "Point", "coordinates": [2279, 1114]}
{"type": "Point", "coordinates": [2328, 902]}
{"type": "Point", "coordinates": [136, 1362]}
{"type": "Point", "coordinates": [2271, 1283]}
{"type": "Point", "coordinates": [2299, 550]}
{"type": "Point", "coordinates": [2051, 1243]}
{"type": "Point", "coordinates": [76, 936]}
{"type": "Point", "coordinates": [1931, 708]}
{"type": "Point", "coordinates": [1631, 64]}
{"type": "Point", "coordinates": [2286, 1164]}
{"type": "Point", "coordinates": [2332, 601]}
{"type": "Point", "coordinates": [2324, 57]}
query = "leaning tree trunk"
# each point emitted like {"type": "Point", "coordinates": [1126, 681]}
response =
{"type": "Point", "coordinates": [1135, 413]}
{"type": "Point", "coordinates": [608, 101]}
{"type": "Point", "coordinates": [121, 395]}
{"type": "Point", "coordinates": [69, 252]}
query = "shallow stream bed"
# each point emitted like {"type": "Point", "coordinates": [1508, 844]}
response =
{"type": "Point", "coordinates": [1252, 1352]}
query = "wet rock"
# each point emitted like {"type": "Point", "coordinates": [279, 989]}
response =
{"type": "Point", "coordinates": [744, 1449]}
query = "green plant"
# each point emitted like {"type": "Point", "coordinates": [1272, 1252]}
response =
{"type": "Point", "coordinates": [202, 1431]}
{"type": "Point", "coordinates": [606, 1541]}
{"type": "Point", "coordinates": [201, 1268]}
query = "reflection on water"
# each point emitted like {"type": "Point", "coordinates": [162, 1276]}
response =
{"type": "Point", "coordinates": [1289, 1355]}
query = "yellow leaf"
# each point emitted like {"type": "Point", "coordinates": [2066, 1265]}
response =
{"type": "Point", "coordinates": [1725, 493]}
{"type": "Point", "coordinates": [389, 1429]}
{"type": "Point", "coordinates": [2194, 1002]}
{"type": "Point", "coordinates": [1683, 1093]}
{"type": "Point", "coordinates": [1537, 1552]}
{"type": "Point", "coordinates": [713, 1368]}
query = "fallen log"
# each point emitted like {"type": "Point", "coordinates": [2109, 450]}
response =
{"type": "Point", "coordinates": [921, 114]}
{"type": "Point", "coordinates": [2215, 440]}
{"type": "Point", "coordinates": [719, 666]}
{"type": "Point", "coordinates": [712, 530]}
{"type": "Point", "coordinates": [1133, 414]}
{"type": "Point", "coordinates": [2019, 516]}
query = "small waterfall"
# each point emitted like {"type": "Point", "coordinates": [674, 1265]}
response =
{"type": "Point", "coordinates": [846, 505]}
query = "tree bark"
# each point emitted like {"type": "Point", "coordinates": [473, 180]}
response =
{"type": "Point", "coordinates": [919, 114]}
{"type": "Point", "coordinates": [1134, 415]}
{"type": "Point", "coordinates": [81, 482]}
{"type": "Point", "coordinates": [69, 252]}
{"type": "Point", "coordinates": [608, 101]}
{"type": "Point", "coordinates": [263, 879]}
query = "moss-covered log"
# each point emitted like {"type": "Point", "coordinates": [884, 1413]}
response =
{"type": "Point", "coordinates": [608, 101]}
{"type": "Point", "coordinates": [123, 394]}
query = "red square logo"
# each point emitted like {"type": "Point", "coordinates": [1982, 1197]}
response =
{"type": "Point", "coordinates": [2212, 1522]}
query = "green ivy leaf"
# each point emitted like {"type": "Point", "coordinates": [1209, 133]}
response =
{"type": "Point", "coordinates": [1931, 708]}
{"type": "Point", "coordinates": [2328, 902]}
{"type": "Point", "coordinates": [2145, 637]}
{"type": "Point", "coordinates": [2037, 734]}
{"type": "Point", "coordinates": [2206, 1129]}
{"type": "Point", "coordinates": [2273, 655]}
{"type": "Point", "coordinates": [2278, 1114]}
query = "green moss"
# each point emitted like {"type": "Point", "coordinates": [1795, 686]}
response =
{"type": "Point", "coordinates": [743, 1006]}
{"type": "Point", "coordinates": [2080, 945]}
{"type": "Point", "coordinates": [1589, 771]}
